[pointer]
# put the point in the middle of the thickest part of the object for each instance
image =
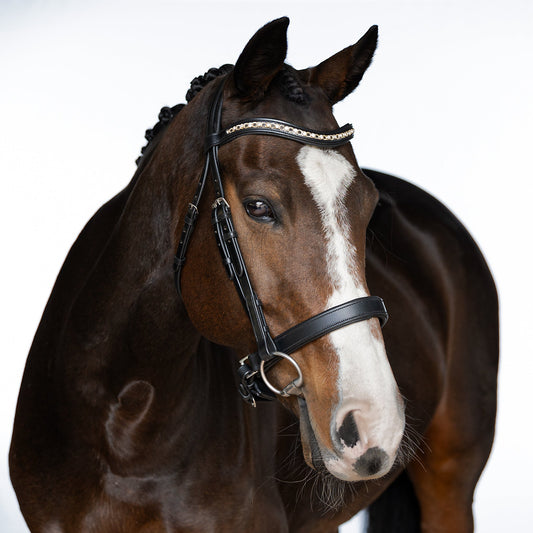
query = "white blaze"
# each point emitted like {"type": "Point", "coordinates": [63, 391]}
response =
{"type": "Point", "coordinates": [365, 381]}
{"type": "Point", "coordinates": [329, 175]}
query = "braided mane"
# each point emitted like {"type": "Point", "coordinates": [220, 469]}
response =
{"type": "Point", "coordinates": [287, 81]}
{"type": "Point", "coordinates": [168, 113]}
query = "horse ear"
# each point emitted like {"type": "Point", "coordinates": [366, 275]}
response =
{"type": "Point", "coordinates": [340, 74]}
{"type": "Point", "coordinates": [261, 59]}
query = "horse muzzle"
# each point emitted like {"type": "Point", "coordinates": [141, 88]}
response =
{"type": "Point", "coordinates": [362, 444]}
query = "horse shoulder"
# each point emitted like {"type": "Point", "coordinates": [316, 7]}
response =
{"type": "Point", "coordinates": [37, 440]}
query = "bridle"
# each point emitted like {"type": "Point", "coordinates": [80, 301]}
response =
{"type": "Point", "coordinates": [254, 384]}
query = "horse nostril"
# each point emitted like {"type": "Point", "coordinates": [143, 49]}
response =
{"type": "Point", "coordinates": [371, 462]}
{"type": "Point", "coordinates": [348, 431]}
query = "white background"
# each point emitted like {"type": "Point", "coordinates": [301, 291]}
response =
{"type": "Point", "coordinates": [446, 104]}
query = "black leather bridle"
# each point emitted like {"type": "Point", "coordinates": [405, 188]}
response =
{"type": "Point", "coordinates": [252, 370]}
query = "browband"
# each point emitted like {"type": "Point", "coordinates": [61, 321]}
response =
{"type": "Point", "coordinates": [279, 128]}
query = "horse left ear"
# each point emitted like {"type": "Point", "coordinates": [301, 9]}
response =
{"type": "Point", "coordinates": [340, 74]}
{"type": "Point", "coordinates": [261, 59]}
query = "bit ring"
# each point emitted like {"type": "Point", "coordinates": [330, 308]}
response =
{"type": "Point", "coordinates": [293, 387]}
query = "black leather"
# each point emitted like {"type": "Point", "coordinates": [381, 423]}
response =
{"type": "Point", "coordinates": [251, 386]}
{"type": "Point", "coordinates": [232, 259]}
{"type": "Point", "coordinates": [337, 317]}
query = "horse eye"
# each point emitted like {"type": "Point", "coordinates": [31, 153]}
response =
{"type": "Point", "coordinates": [259, 210]}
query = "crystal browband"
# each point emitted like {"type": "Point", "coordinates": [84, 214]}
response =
{"type": "Point", "coordinates": [291, 129]}
{"type": "Point", "coordinates": [278, 128]}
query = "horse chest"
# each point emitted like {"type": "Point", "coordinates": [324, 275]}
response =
{"type": "Point", "coordinates": [183, 502]}
{"type": "Point", "coordinates": [195, 475]}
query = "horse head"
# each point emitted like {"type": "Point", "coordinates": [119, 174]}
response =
{"type": "Point", "coordinates": [300, 212]}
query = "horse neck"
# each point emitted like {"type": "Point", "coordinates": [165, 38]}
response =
{"type": "Point", "coordinates": [136, 378]}
{"type": "Point", "coordinates": [127, 322]}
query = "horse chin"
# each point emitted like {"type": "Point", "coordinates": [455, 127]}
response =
{"type": "Point", "coordinates": [342, 468]}
{"type": "Point", "coordinates": [310, 446]}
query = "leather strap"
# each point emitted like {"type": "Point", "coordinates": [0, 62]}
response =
{"type": "Point", "coordinates": [189, 224]}
{"type": "Point", "coordinates": [192, 213]}
{"type": "Point", "coordinates": [230, 251]}
{"type": "Point", "coordinates": [337, 317]}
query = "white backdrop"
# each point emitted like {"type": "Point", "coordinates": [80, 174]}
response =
{"type": "Point", "coordinates": [446, 104]}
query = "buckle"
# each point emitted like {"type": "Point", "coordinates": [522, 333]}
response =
{"type": "Point", "coordinates": [220, 201]}
{"type": "Point", "coordinates": [247, 376]}
{"type": "Point", "coordinates": [191, 215]}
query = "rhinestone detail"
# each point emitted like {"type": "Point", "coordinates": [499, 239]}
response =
{"type": "Point", "coordinates": [290, 129]}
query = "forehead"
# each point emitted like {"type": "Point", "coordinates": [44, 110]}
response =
{"type": "Point", "coordinates": [327, 173]}
{"type": "Point", "coordinates": [257, 157]}
{"type": "Point", "coordinates": [263, 158]}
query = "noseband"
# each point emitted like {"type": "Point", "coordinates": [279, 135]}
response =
{"type": "Point", "coordinates": [254, 384]}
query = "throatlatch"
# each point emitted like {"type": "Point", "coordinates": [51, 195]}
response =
{"type": "Point", "coordinates": [254, 384]}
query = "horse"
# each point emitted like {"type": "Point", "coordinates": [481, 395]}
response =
{"type": "Point", "coordinates": [131, 417]}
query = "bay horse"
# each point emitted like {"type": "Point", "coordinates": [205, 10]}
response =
{"type": "Point", "coordinates": [129, 417]}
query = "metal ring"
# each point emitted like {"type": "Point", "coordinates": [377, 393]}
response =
{"type": "Point", "coordinates": [293, 386]}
